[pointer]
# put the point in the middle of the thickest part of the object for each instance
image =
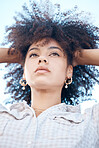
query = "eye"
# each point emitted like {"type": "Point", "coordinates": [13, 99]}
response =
{"type": "Point", "coordinates": [33, 55]}
{"type": "Point", "coordinates": [54, 54]}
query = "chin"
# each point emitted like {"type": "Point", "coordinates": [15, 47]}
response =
{"type": "Point", "coordinates": [41, 86]}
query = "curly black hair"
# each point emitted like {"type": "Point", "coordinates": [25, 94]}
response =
{"type": "Point", "coordinates": [69, 29]}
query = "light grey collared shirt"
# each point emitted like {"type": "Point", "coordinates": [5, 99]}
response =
{"type": "Point", "coordinates": [60, 126]}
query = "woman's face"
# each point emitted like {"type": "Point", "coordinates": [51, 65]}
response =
{"type": "Point", "coordinates": [46, 65]}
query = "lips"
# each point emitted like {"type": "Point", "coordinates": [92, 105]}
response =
{"type": "Point", "coordinates": [42, 69]}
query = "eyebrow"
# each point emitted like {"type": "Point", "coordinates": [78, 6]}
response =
{"type": "Point", "coordinates": [34, 49]}
{"type": "Point", "coordinates": [52, 47]}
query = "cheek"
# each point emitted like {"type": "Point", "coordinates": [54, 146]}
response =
{"type": "Point", "coordinates": [59, 70]}
{"type": "Point", "coordinates": [29, 69]}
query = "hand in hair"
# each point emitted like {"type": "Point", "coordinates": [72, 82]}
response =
{"type": "Point", "coordinates": [86, 57]}
{"type": "Point", "coordinates": [10, 55]}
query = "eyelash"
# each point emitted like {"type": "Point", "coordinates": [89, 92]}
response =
{"type": "Point", "coordinates": [34, 54]}
{"type": "Point", "coordinates": [55, 53]}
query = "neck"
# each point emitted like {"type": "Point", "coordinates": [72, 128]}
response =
{"type": "Point", "coordinates": [43, 99]}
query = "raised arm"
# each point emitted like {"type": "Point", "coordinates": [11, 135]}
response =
{"type": "Point", "coordinates": [86, 57]}
{"type": "Point", "coordinates": [12, 57]}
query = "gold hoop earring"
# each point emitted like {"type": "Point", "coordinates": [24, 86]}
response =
{"type": "Point", "coordinates": [67, 82]}
{"type": "Point", "coordinates": [23, 83]}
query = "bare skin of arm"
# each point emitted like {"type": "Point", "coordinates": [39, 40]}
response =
{"type": "Point", "coordinates": [12, 57]}
{"type": "Point", "coordinates": [86, 57]}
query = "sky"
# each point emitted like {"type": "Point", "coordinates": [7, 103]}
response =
{"type": "Point", "coordinates": [9, 7]}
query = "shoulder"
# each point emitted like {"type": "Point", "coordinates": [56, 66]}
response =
{"type": "Point", "coordinates": [94, 110]}
{"type": "Point", "coordinates": [17, 110]}
{"type": "Point", "coordinates": [19, 106]}
{"type": "Point", "coordinates": [92, 113]}
{"type": "Point", "coordinates": [2, 108]}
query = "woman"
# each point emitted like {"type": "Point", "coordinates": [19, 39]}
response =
{"type": "Point", "coordinates": [48, 49]}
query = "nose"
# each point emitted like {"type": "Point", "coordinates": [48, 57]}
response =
{"type": "Point", "coordinates": [43, 59]}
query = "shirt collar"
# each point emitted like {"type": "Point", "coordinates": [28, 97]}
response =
{"type": "Point", "coordinates": [22, 109]}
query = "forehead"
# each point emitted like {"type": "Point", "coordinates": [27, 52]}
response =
{"type": "Point", "coordinates": [44, 42]}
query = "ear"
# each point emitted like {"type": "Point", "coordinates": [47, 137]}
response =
{"type": "Point", "coordinates": [69, 72]}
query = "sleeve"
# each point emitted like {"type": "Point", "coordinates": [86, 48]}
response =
{"type": "Point", "coordinates": [95, 111]}
{"type": "Point", "coordinates": [3, 119]}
